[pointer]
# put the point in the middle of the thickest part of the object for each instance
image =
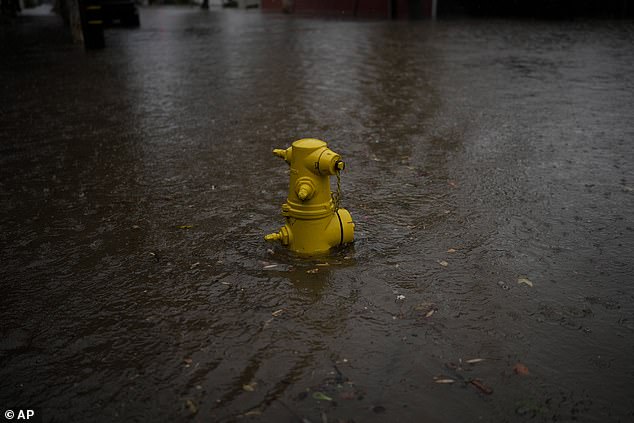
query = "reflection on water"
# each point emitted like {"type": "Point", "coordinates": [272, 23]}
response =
{"type": "Point", "coordinates": [136, 281]}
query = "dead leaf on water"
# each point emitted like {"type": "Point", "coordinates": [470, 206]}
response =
{"type": "Point", "coordinates": [526, 281]}
{"type": "Point", "coordinates": [474, 360]}
{"type": "Point", "coordinates": [443, 263]}
{"type": "Point", "coordinates": [451, 250]}
{"type": "Point", "coordinates": [315, 270]}
{"type": "Point", "coordinates": [191, 406]}
{"type": "Point", "coordinates": [444, 380]}
{"type": "Point", "coordinates": [185, 226]}
{"type": "Point", "coordinates": [277, 312]}
{"type": "Point", "coordinates": [430, 313]}
{"type": "Point", "coordinates": [520, 369]}
{"type": "Point", "coordinates": [270, 266]}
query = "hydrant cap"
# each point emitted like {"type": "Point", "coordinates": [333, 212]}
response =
{"type": "Point", "coordinates": [309, 143]}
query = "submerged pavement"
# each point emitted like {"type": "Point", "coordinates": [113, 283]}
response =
{"type": "Point", "coordinates": [490, 173]}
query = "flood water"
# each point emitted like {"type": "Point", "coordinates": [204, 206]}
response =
{"type": "Point", "coordinates": [490, 172]}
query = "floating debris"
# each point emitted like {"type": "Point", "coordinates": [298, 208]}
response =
{"type": "Point", "coordinates": [320, 396]}
{"type": "Point", "coordinates": [481, 386]}
{"type": "Point", "coordinates": [191, 406]}
{"type": "Point", "coordinates": [444, 381]}
{"type": "Point", "coordinates": [254, 412]}
{"type": "Point", "coordinates": [250, 387]}
{"type": "Point", "coordinates": [520, 369]}
{"type": "Point", "coordinates": [428, 308]}
{"type": "Point", "coordinates": [525, 281]}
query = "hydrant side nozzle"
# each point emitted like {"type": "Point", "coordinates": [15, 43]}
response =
{"type": "Point", "coordinates": [305, 188]}
{"type": "Point", "coordinates": [273, 237]}
{"type": "Point", "coordinates": [283, 154]}
{"type": "Point", "coordinates": [303, 193]}
{"type": "Point", "coordinates": [340, 165]}
{"type": "Point", "coordinates": [284, 236]}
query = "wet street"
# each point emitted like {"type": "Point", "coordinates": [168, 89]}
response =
{"type": "Point", "coordinates": [490, 173]}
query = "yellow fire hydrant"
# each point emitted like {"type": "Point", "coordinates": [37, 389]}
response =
{"type": "Point", "coordinates": [314, 222]}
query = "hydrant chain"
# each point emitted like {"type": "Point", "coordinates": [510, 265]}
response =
{"type": "Point", "coordinates": [336, 196]}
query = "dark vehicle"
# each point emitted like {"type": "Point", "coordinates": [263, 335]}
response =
{"type": "Point", "coordinates": [120, 13]}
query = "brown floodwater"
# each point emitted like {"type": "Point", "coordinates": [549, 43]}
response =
{"type": "Point", "coordinates": [490, 172]}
